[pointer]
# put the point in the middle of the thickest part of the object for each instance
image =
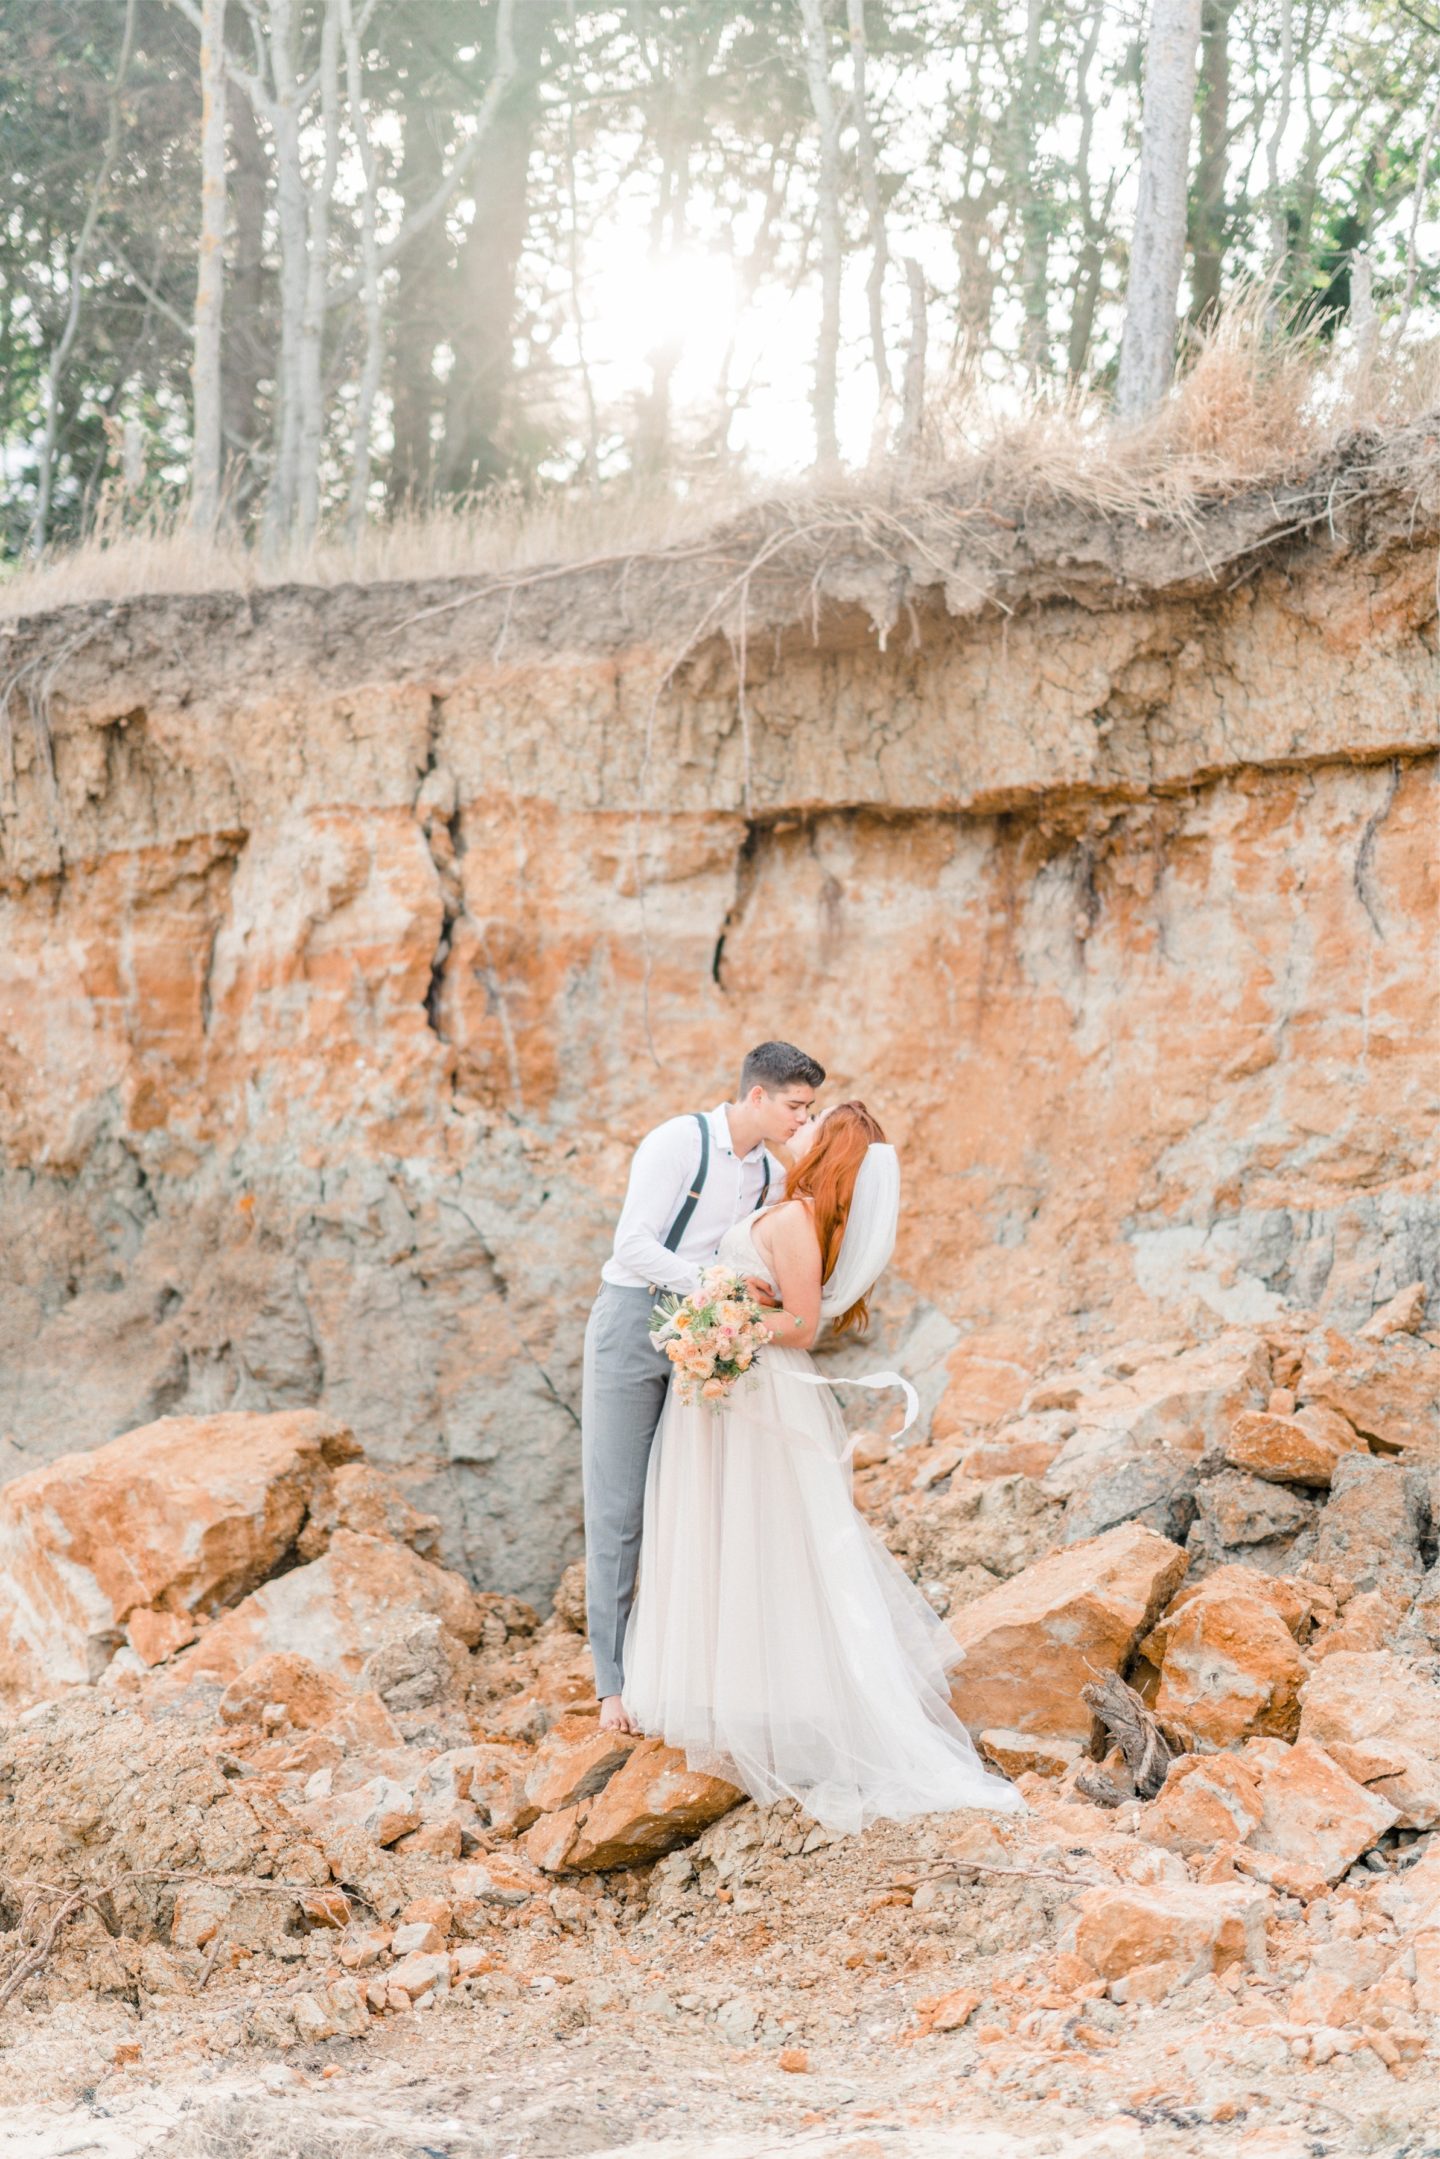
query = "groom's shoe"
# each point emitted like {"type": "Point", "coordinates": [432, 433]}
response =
{"type": "Point", "coordinates": [615, 1717]}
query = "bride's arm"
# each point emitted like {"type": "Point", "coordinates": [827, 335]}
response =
{"type": "Point", "coordinates": [793, 1251]}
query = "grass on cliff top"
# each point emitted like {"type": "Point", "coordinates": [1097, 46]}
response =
{"type": "Point", "coordinates": [1250, 411]}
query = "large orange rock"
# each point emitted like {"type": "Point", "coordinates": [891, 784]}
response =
{"type": "Point", "coordinates": [650, 1804]}
{"type": "Point", "coordinates": [1380, 1718]}
{"type": "Point", "coordinates": [148, 1534]}
{"type": "Point", "coordinates": [1207, 1799]}
{"type": "Point", "coordinates": [1030, 1645]}
{"type": "Point", "coordinates": [1389, 1388]}
{"type": "Point", "coordinates": [1313, 1814]}
{"type": "Point", "coordinates": [1298, 1449]}
{"type": "Point", "coordinates": [574, 1761]}
{"type": "Point", "coordinates": [1203, 1927]}
{"type": "Point", "coordinates": [1228, 1659]}
{"type": "Point", "coordinates": [338, 1610]}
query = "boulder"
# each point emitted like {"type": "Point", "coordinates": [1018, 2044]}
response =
{"type": "Point", "coordinates": [1157, 1398]}
{"type": "Point", "coordinates": [1206, 1799]}
{"type": "Point", "coordinates": [420, 1667]}
{"type": "Point", "coordinates": [1002, 1523]}
{"type": "Point", "coordinates": [570, 1608]}
{"type": "Point", "coordinates": [1229, 1664]}
{"type": "Point", "coordinates": [653, 1802]}
{"type": "Point", "coordinates": [361, 1497]}
{"type": "Point", "coordinates": [1389, 1388]}
{"type": "Point", "coordinates": [1299, 1449]}
{"type": "Point", "coordinates": [1238, 1516]}
{"type": "Point", "coordinates": [1157, 1489]}
{"type": "Point", "coordinates": [1314, 1815]}
{"type": "Point", "coordinates": [1400, 1314]}
{"type": "Point", "coordinates": [1369, 1533]}
{"type": "Point", "coordinates": [1202, 1927]}
{"type": "Point", "coordinates": [382, 1809]}
{"type": "Point", "coordinates": [574, 1761]}
{"type": "Point", "coordinates": [339, 1609]}
{"type": "Point", "coordinates": [1028, 1647]}
{"type": "Point", "coordinates": [1025, 1448]}
{"type": "Point", "coordinates": [307, 1696]}
{"type": "Point", "coordinates": [142, 1538]}
{"type": "Point", "coordinates": [500, 1879]}
{"type": "Point", "coordinates": [1379, 1717]}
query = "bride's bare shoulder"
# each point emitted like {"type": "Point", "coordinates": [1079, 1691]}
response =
{"type": "Point", "coordinates": [788, 1224]}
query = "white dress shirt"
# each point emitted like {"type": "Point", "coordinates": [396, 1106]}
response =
{"type": "Point", "coordinates": [663, 1171]}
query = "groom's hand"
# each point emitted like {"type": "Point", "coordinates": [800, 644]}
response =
{"type": "Point", "coordinates": [762, 1293]}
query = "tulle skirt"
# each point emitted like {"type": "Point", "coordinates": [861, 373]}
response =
{"type": "Point", "coordinates": [773, 1638]}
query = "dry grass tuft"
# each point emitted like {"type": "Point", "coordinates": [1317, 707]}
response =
{"type": "Point", "coordinates": [1251, 411]}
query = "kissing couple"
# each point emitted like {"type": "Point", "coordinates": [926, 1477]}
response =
{"type": "Point", "coordinates": [739, 1608]}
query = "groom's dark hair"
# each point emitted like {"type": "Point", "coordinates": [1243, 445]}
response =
{"type": "Point", "coordinates": [773, 1065]}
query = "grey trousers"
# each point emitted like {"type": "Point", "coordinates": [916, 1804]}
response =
{"type": "Point", "coordinates": [622, 1398]}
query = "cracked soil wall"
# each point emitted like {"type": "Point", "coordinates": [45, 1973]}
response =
{"type": "Point", "coordinates": [352, 945]}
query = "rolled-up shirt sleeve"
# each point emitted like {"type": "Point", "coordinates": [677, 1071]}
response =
{"type": "Point", "coordinates": [660, 1173]}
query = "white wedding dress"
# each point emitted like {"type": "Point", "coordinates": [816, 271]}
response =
{"type": "Point", "coordinates": [773, 1638]}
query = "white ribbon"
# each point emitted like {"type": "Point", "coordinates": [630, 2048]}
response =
{"type": "Point", "coordinates": [875, 1380]}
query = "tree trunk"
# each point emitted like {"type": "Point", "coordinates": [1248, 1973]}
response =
{"type": "Point", "coordinates": [473, 454]}
{"type": "Point", "coordinates": [827, 213]}
{"type": "Point", "coordinates": [290, 209]}
{"type": "Point", "coordinates": [374, 353]}
{"type": "Point", "coordinates": [1208, 209]}
{"type": "Point", "coordinates": [312, 321]}
{"type": "Point", "coordinates": [912, 409]}
{"type": "Point", "coordinates": [210, 280]}
{"type": "Point", "coordinates": [1157, 250]}
{"type": "Point", "coordinates": [1034, 222]}
{"type": "Point", "coordinates": [875, 214]}
{"type": "Point", "coordinates": [244, 357]}
{"type": "Point", "coordinates": [417, 317]}
{"type": "Point", "coordinates": [55, 367]}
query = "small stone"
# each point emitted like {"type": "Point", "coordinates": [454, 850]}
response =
{"type": "Point", "coordinates": [1402, 1314]}
{"type": "Point", "coordinates": [947, 2012]}
{"type": "Point", "coordinates": [736, 2021]}
{"type": "Point", "coordinates": [311, 2021]}
{"type": "Point", "coordinates": [499, 1878]}
{"type": "Point", "coordinates": [418, 1937]}
{"type": "Point", "coordinates": [1015, 1753]}
{"type": "Point", "coordinates": [420, 1974]}
{"type": "Point", "coordinates": [793, 2060]}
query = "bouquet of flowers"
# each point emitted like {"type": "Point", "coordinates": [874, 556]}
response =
{"type": "Point", "coordinates": [712, 1337]}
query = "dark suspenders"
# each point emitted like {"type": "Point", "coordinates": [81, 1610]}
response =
{"type": "Point", "coordinates": [688, 1205]}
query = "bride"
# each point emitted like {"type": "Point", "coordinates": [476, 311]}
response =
{"type": "Point", "coordinates": [773, 1637]}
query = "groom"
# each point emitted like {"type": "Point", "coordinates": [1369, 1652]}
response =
{"type": "Point", "coordinates": [691, 1179]}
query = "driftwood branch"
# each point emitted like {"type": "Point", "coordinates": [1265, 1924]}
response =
{"type": "Point", "coordinates": [1131, 1727]}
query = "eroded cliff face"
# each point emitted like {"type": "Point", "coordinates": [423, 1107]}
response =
{"type": "Point", "coordinates": [353, 943]}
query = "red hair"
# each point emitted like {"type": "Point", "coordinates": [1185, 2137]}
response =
{"type": "Point", "coordinates": [826, 1177]}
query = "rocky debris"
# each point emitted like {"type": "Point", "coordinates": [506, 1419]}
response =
{"type": "Point", "coordinates": [141, 1540]}
{"type": "Point", "coordinates": [1028, 1647]}
{"type": "Point", "coordinates": [1387, 1386]}
{"type": "Point", "coordinates": [1157, 1489]}
{"type": "Point", "coordinates": [1302, 1448]}
{"type": "Point", "coordinates": [1228, 1656]}
{"type": "Point", "coordinates": [1018, 1754]}
{"type": "Point", "coordinates": [338, 1610]}
{"type": "Point", "coordinates": [1314, 1816]}
{"type": "Point", "coordinates": [1205, 1801]}
{"type": "Point", "coordinates": [1245, 1519]}
{"type": "Point", "coordinates": [1151, 1401]}
{"type": "Point", "coordinates": [1378, 1716]}
{"type": "Point", "coordinates": [1199, 1928]}
{"type": "Point", "coordinates": [648, 1803]}
{"type": "Point", "coordinates": [1401, 1314]}
{"type": "Point", "coordinates": [1370, 1532]}
{"type": "Point", "coordinates": [952, 1523]}
{"type": "Point", "coordinates": [363, 1498]}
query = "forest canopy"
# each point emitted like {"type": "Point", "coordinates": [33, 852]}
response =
{"type": "Point", "coordinates": [308, 262]}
